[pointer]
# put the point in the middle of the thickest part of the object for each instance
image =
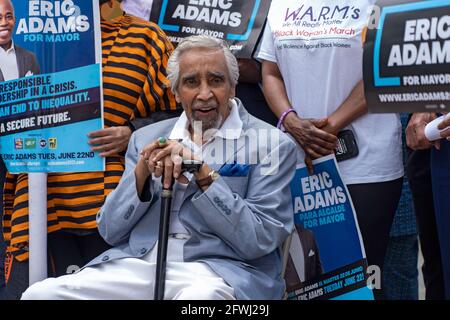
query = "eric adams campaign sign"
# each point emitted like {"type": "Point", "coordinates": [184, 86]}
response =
{"type": "Point", "coordinates": [50, 89]}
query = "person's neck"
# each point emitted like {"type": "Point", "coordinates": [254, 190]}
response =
{"type": "Point", "coordinates": [109, 13]}
{"type": "Point", "coordinates": [7, 46]}
{"type": "Point", "coordinates": [197, 138]}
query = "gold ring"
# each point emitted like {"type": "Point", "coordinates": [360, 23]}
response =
{"type": "Point", "coordinates": [159, 164]}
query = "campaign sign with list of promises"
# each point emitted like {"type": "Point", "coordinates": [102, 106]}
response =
{"type": "Point", "coordinates": [50, 94]}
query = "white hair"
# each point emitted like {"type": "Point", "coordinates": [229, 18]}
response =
{"type": "Point", "coordinates": [200, 41]}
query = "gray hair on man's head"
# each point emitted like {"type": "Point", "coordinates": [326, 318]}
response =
{"type": "Point", "coordinates": [200, 41]}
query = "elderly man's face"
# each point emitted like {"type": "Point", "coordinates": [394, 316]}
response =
{"type": "Point", "coordinates": [204, 87]}
{"type": "Point", "coordinates": [7, 21]}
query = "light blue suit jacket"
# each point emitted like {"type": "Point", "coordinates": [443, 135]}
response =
{"type": "Point", "coordinates": [237, 226]}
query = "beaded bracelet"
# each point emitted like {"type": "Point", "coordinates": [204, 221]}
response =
{"type": "Point", "coordinates": [283, 116]}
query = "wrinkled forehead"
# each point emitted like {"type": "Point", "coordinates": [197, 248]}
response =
{"type": "Point", "coordinates": [206, 59]}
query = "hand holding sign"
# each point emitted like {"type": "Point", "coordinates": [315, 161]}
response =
{"type": "Point", "coordinates": [406, 61]}
{"type": "Point", "coordinates": [110, 141]}
{"type": "Point", "coordinates": [444, 127]}
{"type": "Point", "coordinates": [415, 131]}
{"type": "Point", "coordinates": [309, 134]}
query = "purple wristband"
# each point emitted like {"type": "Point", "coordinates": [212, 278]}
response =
{"type": "Point", "coordinates": [283, 116]}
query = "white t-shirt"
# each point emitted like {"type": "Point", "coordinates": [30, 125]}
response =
{"type": "Point", "coordinates": [317, 45]}
{"type": "Point", "coordinates": [138, 8]}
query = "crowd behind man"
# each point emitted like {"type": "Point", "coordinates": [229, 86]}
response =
{"type": "Point", "coordinates": [15, 62]}
{"type": "Point", "coordinates": [235, 231]}
{"type": "Point", "coordinates": [134, 60]}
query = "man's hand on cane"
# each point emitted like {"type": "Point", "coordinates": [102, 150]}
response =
{"type": "Point", "coordinates": [166, 157]}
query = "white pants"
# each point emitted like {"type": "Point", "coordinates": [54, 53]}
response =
{"type": "Point", "coordinates": [133, 278]}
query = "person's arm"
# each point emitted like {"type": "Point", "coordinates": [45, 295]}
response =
{"type": "Point", "coordinates": [156, 94]}
{"type": "Point", "coordinates": [415, 131]}
{"type": "Point", "coordinates": [253, 225]}
{"type": "Point", "coordinates": [126, 205]}
{"type": "Point", "coordinates": [274, 89]}
{"type": "Point", "coordinates": [257, 223]}
{"type": "Point", "coordinates": [307, 132]}
{"type": "Point", "coordinates": [249, 71]}
{"type": "Point", "coordinates": [351, 109]}
{"type": "Point", "coordinates": [110, 141]}
{"type": "Point", "coordinates": [444, 124]}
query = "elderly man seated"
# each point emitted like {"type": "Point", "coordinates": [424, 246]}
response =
{"type": "Point", "coordinates": [228, 219]}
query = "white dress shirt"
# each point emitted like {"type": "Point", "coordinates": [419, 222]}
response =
{"type": "Point", "coordinates": [8, 63]}
{"type": "Point", "coordinates": [230, 129]}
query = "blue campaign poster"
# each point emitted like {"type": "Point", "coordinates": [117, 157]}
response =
{"type": "Point", "coordinates": [237, 22]}
{"type": "Point", "coordinates": [50, 92]}
{"type": "Point", "coordinates": [406, 57]}
{"type": "Point", "coordinates": [327, 258]}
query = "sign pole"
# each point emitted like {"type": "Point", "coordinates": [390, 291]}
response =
{"type": "Point", "coordinates": [37, 185]}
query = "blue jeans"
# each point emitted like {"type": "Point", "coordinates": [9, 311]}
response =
{"type": "Point", "coordinates": [400, 268]}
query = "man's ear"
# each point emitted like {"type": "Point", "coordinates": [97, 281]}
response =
{"type": "Point", "coordinates": [233, 92]}
{"type": "Point", "coordinates": [177, 97]}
